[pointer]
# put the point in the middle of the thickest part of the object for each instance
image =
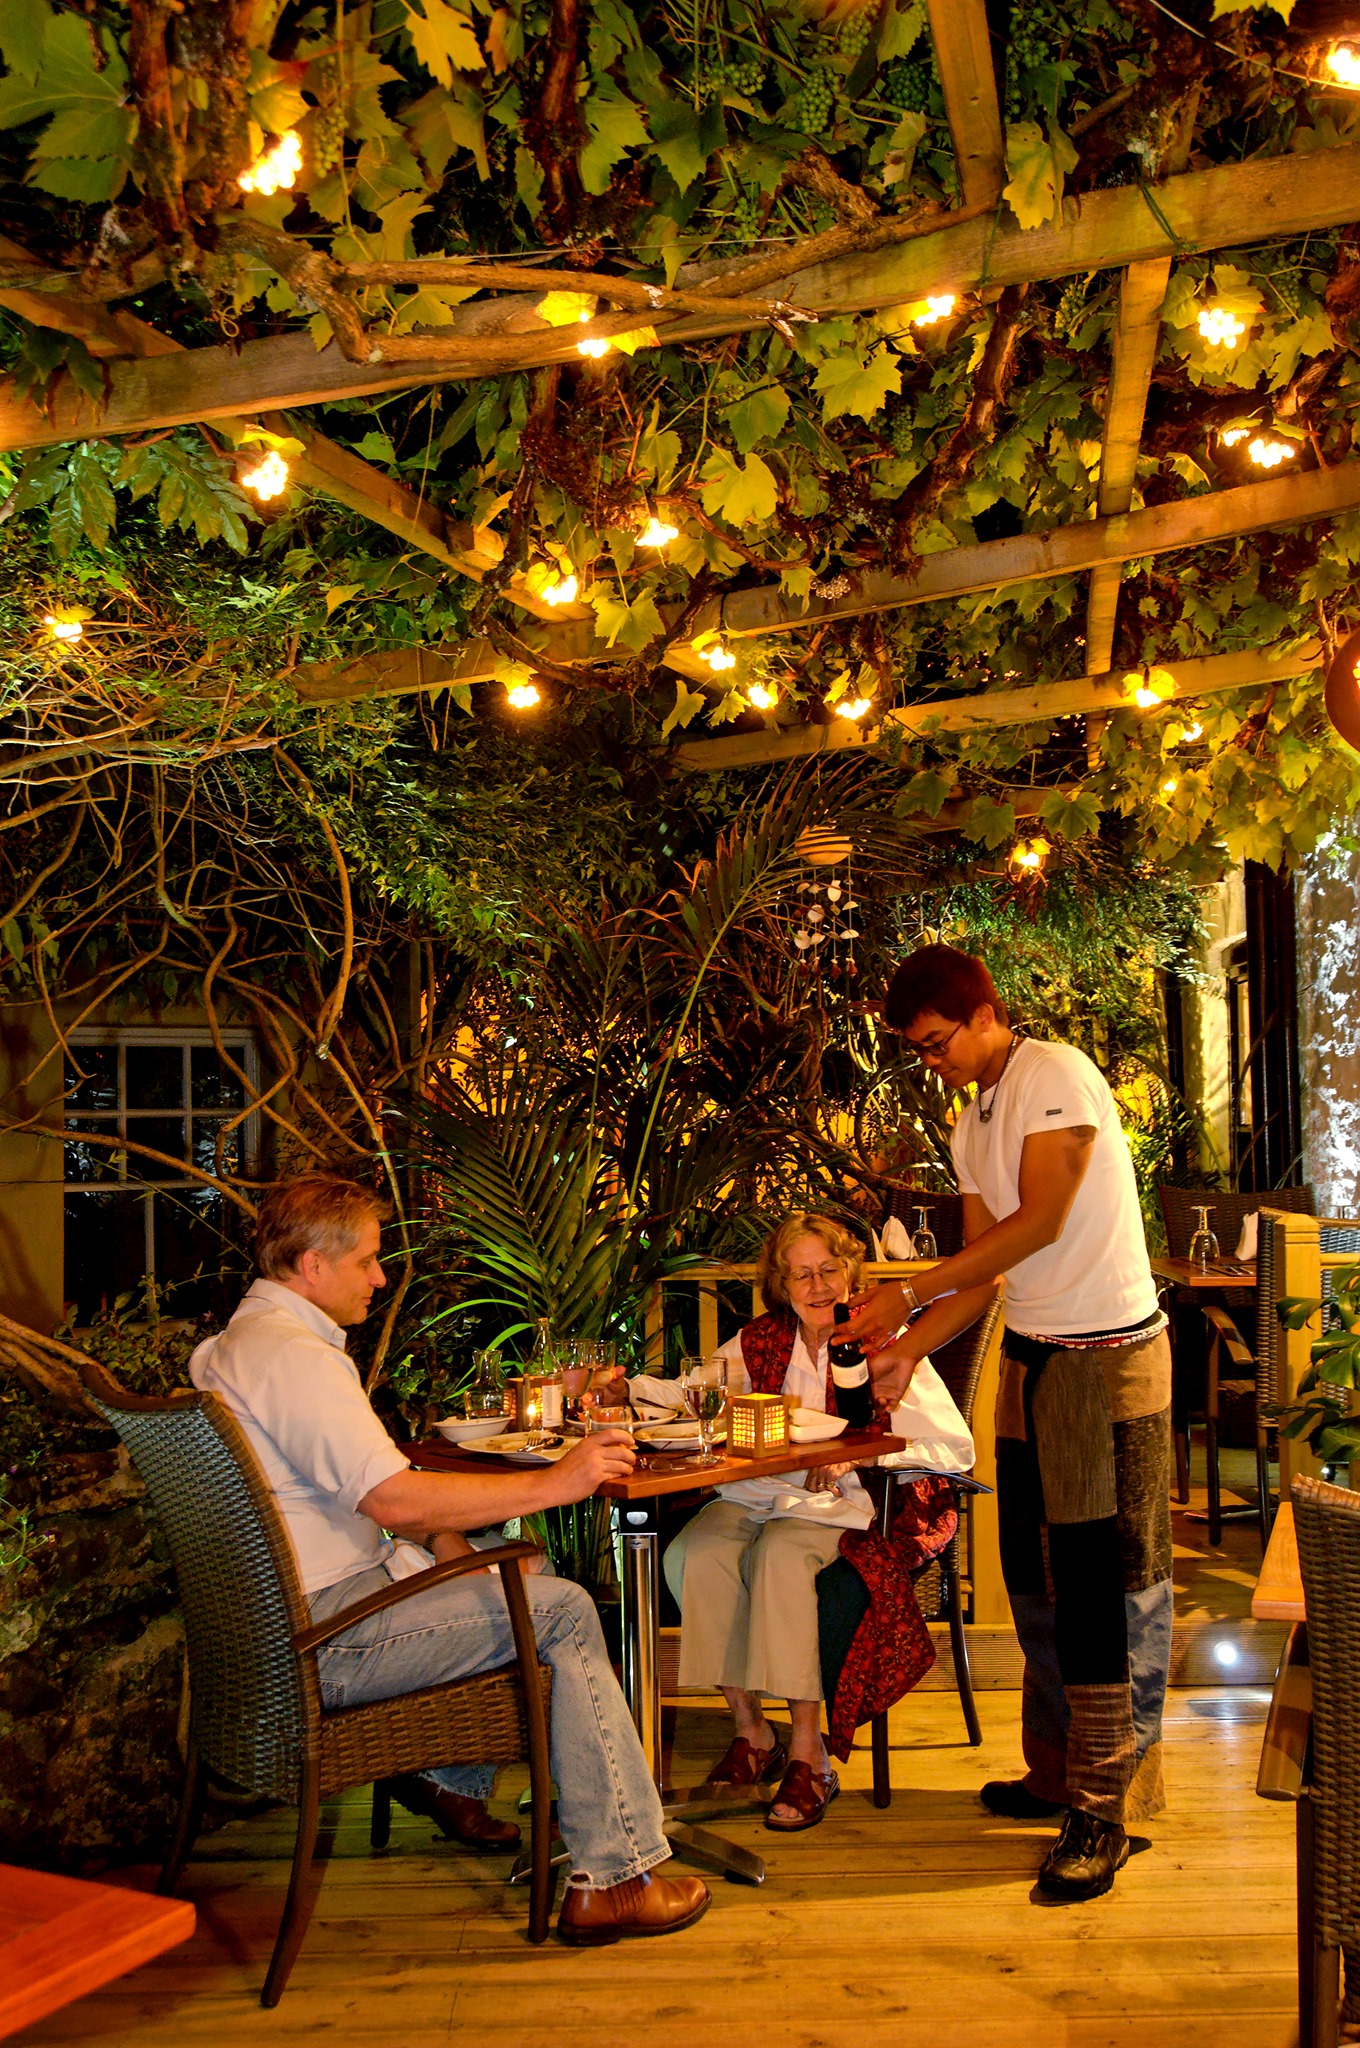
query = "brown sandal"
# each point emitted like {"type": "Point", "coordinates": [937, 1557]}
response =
{"type": "Point", "coordinates": [743, 1765]}
{"type": "Point", "coordinates": [799, 1788]}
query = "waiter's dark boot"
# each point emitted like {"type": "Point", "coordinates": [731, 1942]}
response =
{"type": "Point", "coordinates": [1083, 1861]}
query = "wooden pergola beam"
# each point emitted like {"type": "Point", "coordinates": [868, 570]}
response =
{"type": "Point", "coordinates": [1232, 204]}
{"type": "Point", "coordinates": [987, 710]}
{"type": "Point", "coordinates": [963, 58]}
{"type": "Point", "coordinates": [1141, 292]}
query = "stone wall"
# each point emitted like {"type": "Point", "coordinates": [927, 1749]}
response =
{"type": "Point", "coordinates": [1327, 897]}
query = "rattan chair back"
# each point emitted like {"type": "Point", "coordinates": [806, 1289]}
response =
{"type": "Point", "coordinates": [959, 1362]}
{"type": "Point", "coordinates": [1230, 1210]}
{"type": "Point", "coordinates": [256, 1707]}
{"type": "Point", "coordinates": [1327, 1521]}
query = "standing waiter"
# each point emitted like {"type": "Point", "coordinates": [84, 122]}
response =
{"type": "Point", "coordinates": [1083, 1410]}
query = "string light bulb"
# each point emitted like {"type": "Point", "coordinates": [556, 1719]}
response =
{"type": "Point", "coordinates": [1192, 732]}
{"type": "Point", "coordinates": [595, 345]}
{"type": "Point", "coordinates": [63, 629]}
{"type": "Point", "coordinates": [1145, 699]}
{"type": "Point", "coordinates": [1029, 855]}
{"type": "Point", "coordinates": [656, 533]}
{"type": "Point", "coordinates": [1220, 328]}
{"type": "Point", "coordinates": [939, 306]}
{"type": "Point", "coordinates": [1344, 65]}
{"type": "Point", "coordinates": [853, 707]}
{"type": "Point", "coordinates": [1232, 435]}
{"type": "Point", "coordinates": [562, 590]}
{"type": "Point", "coordinates": [1270, 454]}
{"type": "Point", "coordinates": [717, 657]}
{"type": "Point", "coordinates": [522, 695]}
{"type": "Point", "coordinates": [1170, 786]}
{"type": "Point", "coordinates": [276, 170]}
{"type": "Point", "coordinates": [762, 696]}
{"type": "Point", "coordinates": [269, 479]}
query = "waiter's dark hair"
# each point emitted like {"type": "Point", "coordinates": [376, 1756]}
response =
{"type": "Point", "coordinates": [315, 1212]}
{"type": "Point", "coordinates": [943, 979]}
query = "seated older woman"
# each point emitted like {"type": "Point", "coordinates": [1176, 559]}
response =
{"type": "Point", "coordinates": [744, 1571]}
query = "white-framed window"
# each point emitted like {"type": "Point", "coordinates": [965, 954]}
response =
{"type": "Point", "coordinates": [130, 1218]}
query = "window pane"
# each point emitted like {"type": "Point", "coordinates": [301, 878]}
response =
{"type": "Point", "coordinates": [205, 1147]}
{"type": "Point", "coordinates": [92, 1077]}
{"type": "Point", "coordinates": [166, 1134]}
{"type": "Point", "coordinates": [155, 1076]}
{"type": "Point", "coordinates": [213, 1085]}
{"type": "Point", "coordinates": [105, 1250]}
{"type": "Point", "coordinates": [200, 1265]}
{"type": "Point", "coordinates": [92, 1162]}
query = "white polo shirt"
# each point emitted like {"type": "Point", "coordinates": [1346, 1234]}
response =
{"type": "Point", "coordinates": [280, 1366]}
{"type": "Point", "coordinates": [1096, 1276]}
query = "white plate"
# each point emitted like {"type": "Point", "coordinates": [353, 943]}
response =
{"type": "Point", "coordinates": [810, 1426]}
{"type": "Point", "coordinates": [515, 1451]}
{"type": "Point", "coordinates": [674, 1435]}
{"type": "Point", "coordinates": [457, 1429]}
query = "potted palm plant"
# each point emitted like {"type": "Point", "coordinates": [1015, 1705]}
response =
{"type": "Point", "coordinates": [1323, 1411]}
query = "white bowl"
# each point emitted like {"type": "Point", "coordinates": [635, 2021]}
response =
{"type": "Point", "coordinates": [810, 1426]}
{"type": "Point", "coordinates": [459, 1430]}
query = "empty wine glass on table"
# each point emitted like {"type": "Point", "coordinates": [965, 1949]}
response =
{"type": "Point", "coordinates": [1203, 1245]}
{"type": "Point", "coordinates": [923, 1245]}
{"type": "Point", "coordinates": [705, 1397]}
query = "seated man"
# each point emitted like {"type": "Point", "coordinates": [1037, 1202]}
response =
{"type": "Point", "coordinates": [352, 1503]}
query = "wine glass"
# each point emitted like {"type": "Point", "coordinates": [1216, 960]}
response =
{"type": "Point", "coordinates": [923, 1245]}
{"type": "Point", "coordinates": [1203, 1245]}
{"type": "Point", "coordinates": [705, 1398]}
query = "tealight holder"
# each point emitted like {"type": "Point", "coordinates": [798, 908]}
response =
{"type": "Point", "coordinates": [757, 1425]}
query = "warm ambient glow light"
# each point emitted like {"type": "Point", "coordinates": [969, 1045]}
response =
{"type": "Point", "coordinates": [1030, 854]}
{"type": "Point", "coordinates": [563, 591]}
{"type": "Point", "coordinates": [1220, 328]}
{"type": "Point", "coordinates": [522, 695]}
{"type": "Point", "coordinates": [1169, 787]}
{"type": "Point", "coordinates": [717, 657]}
{"type": "Point", "coordinates": [1146, 699]}
{"type": "Point", "coordinates": [276, 170]}
{"type": "Point", "coordinates": [1232, 435]}
{"type": "Point", "coordinates": [1192, 732]}
{"type": "Point", "coordinates": [63, 629]}
{"type": "Point", "coordinates": [1269, 454]}
{"type": "Point", "coordinates": [762, 696]}
{"type": "Point", "coordinates": [1344, 65]}
{"type": "Point", "coordinates": [270, 478]}
{"type": "Point", "coordinates": [853, 707]}
{"type": "Point", "coordinates": [939, 306]}
{"type": "Point", "coordinates": [595, 345]}
{"type": "Point", "coordinates": [656, 534]}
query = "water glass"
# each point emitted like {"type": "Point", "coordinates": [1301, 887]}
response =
{"type": "Point", "coordinates": [1203, 1245]}
{"type": "Point", "coordinates": [923, 1245]}
{"type": "Point", "coordinates": [706, 1398]}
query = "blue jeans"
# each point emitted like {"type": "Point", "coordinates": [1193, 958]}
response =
{"type": "Point", "coordinates": [608, 1807]}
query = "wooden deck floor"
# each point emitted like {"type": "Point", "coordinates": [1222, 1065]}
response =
{"type": "Point", "coordinates": [912, 1926]}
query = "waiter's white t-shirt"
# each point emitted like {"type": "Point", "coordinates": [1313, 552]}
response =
{"type": "Point", "coordinates": [1096, 1277]}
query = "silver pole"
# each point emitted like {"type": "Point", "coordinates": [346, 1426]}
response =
{"type": "Point", "coordinates": [641, 1665]}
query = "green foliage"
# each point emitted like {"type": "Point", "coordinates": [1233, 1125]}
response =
{"type": "Point", "coordinates": [1324, 1410]}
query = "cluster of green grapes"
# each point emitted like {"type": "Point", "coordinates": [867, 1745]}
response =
{"type": "Point", "coordinates": [744, 74]}
{"type": "Point", "coordinates": [1288, 289]}
{"type": "Point", "coordinates": [745, 217]}
{"type": "Point", "coordinates": [908, 86]}
{"type": "Point", "coordinates": [328, 122]}
{"type": "Point", "coordinates": [856, 30]}
{"type": "Point", "coordinates": [1070, 308]}
{"type": "Point", "coordinates": [813, 101]}
{"type": "Point", "coordinates": [1036, 30]}
{"type": "Point", "coordinates": [902, 431]}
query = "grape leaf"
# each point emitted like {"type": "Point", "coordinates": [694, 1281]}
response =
{"type": "Point", "coordinates": [928, 792]}
{"type": "Point", "coordinates": [1284, 8]}
{"type": "Point", "coordinates": [682, 138]}
{"type": "Point", "coordinates": [636, 625]}
{"type": "Point", "coordinates": [758, 417]}
{"type": "Point", "coordinates": [848, 385]}
{"type": "Point", "coordinates": [744, 493]}
{"type": "Point", "coordinates": [1072, 817]}
{"type": "Point", "coordinates": [687, 704]}
{"type": "Point", "coordinates": [990, 822]}
{"type": "Point", "coordinates": [616, 126]}
{"type": "Point", "coordinates": [1037, 164]}
{"type": "Point", "coordinates": [23, 26]}
{"type": "Point", "coordinates": [443, 40]}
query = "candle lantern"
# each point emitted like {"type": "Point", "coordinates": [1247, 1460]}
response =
{"type": "Point", "coordinates": [757, 1425]}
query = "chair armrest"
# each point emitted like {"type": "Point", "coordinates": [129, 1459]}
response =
{"type": "Point", "coordinates": [1229, 1336]}
{"type": "Point", "coordinates": [1285, 1770]}
{"type": "Point", "coordinates": [406, 1589]}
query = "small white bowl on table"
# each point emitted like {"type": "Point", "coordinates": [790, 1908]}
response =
{"type": "Point", "coordinates": [459, 1429]}
{"type": "Point", "coordinates": [810, 1426]}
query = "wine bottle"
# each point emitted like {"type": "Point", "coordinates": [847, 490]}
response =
{"type": "Point", "coordinates": [850, 1377]}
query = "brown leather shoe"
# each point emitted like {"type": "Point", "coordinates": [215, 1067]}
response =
{"type": "Point", "coordinates": [464, 1820]}
{"type": "Point", "coordinates": [641, 1905]}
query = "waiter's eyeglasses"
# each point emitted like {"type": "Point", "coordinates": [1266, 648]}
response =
{"type": "Point", "coordinates": [933, 1049]}
{"type": "Point", "coordinates": [805, 1275]}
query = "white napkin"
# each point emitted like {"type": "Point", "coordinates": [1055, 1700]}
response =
{"type": "Point", "coordinates": [896, 1239]}
{"type": "Point", "coordinates": [646, 1391]}
{"type": "Point", "coordinates": [1246, 1243]}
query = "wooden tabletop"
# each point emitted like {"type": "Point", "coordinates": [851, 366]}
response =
{"type": "Point", "coordinates": [61, 1937]}
{"type": "Point", "coordinates": [1279, 1590]}
{"type": "Point", "coordinates": [1229, 1275]}
{"type": "Point", "coordinates": [663, 1472]}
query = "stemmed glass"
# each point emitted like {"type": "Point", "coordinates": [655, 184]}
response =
{"type": "Point", "coordinates": [923, 1245]}
{"type": "Point", "coordinates": [1203, 1245]}
{"type": "Point", "coordinates": [705, 1397]}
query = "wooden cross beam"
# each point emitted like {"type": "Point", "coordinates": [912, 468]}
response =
{"type": "Point", "coordinates": [1037, 704]}
{"type": "Point", "coordinates": [963, 58]}
{"type": "Point", "coordinates": [1135, 349]}
{"type": "Point", "coordinates": [1232, 204]}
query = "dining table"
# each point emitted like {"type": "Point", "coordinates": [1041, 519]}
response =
{"type": "Point", "coordinates": [657, 1473]}
{"type": "Point", "coordinates": [1189, 1283]}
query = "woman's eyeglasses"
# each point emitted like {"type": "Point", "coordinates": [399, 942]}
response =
{"type": "Point", "coordinates": [805, 1275]}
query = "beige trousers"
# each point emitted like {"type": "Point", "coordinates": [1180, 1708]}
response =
{"type": "Point", "coordinates": [748, 1600]}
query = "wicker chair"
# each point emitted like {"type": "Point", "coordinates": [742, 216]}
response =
{"type": "Point", "coordinates": [940, 1588]}
{"type": "Point", "coordinates": [1230, 1368]}
{"type": "Point", "coordinates": [1327, 1522]}
{"type": "Point", "coordinates": [257, 1722]}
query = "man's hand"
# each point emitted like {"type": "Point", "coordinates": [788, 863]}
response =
{"type": "Point", "coordinates": [893, 1369]}
{"type": "Point", "coordinates": [879, 1313]}
{"type": "Point", "coordinates": [604, 1454]}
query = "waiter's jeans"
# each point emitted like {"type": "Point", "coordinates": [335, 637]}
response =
{"type": "Point", "coordinates": [608, 1807]}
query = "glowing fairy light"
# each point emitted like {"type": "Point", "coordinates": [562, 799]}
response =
{"type": "Point", "coordinates": [1344, 65]}
{"type": "Point", "coordinates": [522, 695]}
{"type": "Point", "coordinates": [1029, 855]}
{"type": "Point", "coordinates": [276, 170]}
{"type": "Point", "coordinates": [1192, 732]}
{"type": "Point", "coordinates": [562, 590]}
{"type": "Point", "coordinates": [595, 345]}
{"type": "Point", "coordinates": [1170, 786]}
{"type": "Point", "coordinates": [1270, 454]}
{"type": "Point", "coordinates": [762, 696]}
{"type": "Point", "coordinates": [1220, 328]}
{"type": "Point", "coordinates": [853, 707]}
{"type": "Point", "coordinates": [269, 478]}
{"type": "Point", "coordinates": [1145, 699]}
{"type": "Point", "coordinates": [63, 629]}
{"type": "Point", "coordinates": [1232, 435]}
{"type": "Point", "coordinates": [656, 534]}
{"type": "Point", "coordinates": [717, 657]}
{"type": "Point", "coordinates": [939, 306]}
